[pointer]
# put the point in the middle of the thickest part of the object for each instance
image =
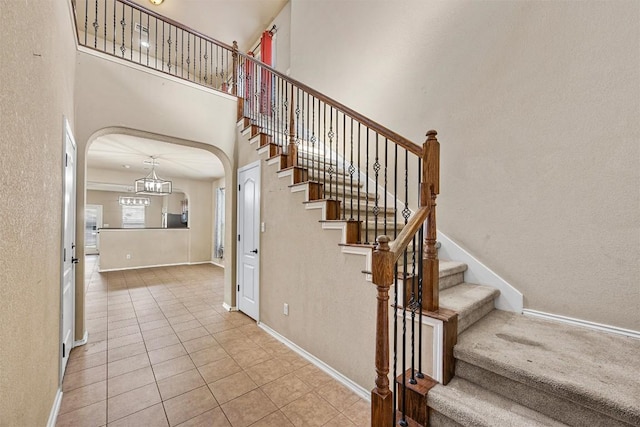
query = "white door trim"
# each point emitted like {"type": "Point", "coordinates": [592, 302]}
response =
{"type": "Point", "coordinates": [239, 255]}
{"type": "Point", "coordinates": [67, 138]}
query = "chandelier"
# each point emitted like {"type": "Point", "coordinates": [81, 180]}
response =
{"type": "Point", "coordinates": [151, 184]}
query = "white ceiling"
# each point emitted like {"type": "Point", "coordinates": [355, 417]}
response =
{"type": "Point", "coordinates": [224, 20]}
{"type": "Point", "coordinates": [116, 151]}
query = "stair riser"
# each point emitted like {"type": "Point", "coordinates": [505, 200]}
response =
{"type": "Point", "coordinates": [553, 406]}
{"type": "Point", "coordinates": [451, 280]}
{"type": "Point", "coordinates": [436, 419]}
{"type": "Point", "coordinates": [468, 319]}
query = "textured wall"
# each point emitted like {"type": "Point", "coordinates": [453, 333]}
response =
{"type": "Point", "coordinates": [537, 107]}
{"type": "Point", "coordinates": [37, 72]}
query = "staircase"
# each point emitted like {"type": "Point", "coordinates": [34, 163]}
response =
{"type": "Point", "coordinates": [521, 371]}
{"type": "Point", "coordinates": [509, 369]}
{"type": "Point", "coordinates": [362, 178]}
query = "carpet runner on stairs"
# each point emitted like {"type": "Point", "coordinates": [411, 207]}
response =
{"type": "Point", "coordinates": [516, 370]}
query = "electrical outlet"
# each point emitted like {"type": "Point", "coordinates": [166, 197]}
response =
{"type": "Point", "coordinates": [286, 309]}
{"type": "Point", "coordinates": [128, 256]}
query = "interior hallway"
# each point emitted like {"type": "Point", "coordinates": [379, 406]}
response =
{"type": "Point", "coordinates": [162, 351]}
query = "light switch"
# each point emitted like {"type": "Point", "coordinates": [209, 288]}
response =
{"type": "Point", "coordinates": [262, 227]}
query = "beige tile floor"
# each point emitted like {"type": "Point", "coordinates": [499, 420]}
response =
{"type": "Point", "coordinates": [162, 352]}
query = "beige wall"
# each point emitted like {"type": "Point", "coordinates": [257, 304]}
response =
{"type": "Point", "coordinates": [219, 183]}
{"type": "Point", "coordinates": [537, 107]}
{"type": "Point", "coordinates": [37, 76]}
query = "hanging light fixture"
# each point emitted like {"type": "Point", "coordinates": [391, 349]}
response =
{"type": "Point", "coordinates": [151, 184]}
{"type": "Point", "coordinates": [156, 2]}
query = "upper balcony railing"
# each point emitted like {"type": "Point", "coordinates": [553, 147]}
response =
{"type": "Point", "coordinates": [384, 185]}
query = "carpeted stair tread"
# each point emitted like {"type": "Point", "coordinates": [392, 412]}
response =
{"type": "Point", "coordinates": [470, 405]}
{"type": "Point", "coordinates": [472, 302]}
{"type": "Point", "coordinates": [597, 370]}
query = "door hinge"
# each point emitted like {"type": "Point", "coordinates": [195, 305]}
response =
{"type": "Point", "coordinates": [238, 187]}
{"type": "Point", "coordinates": [64, 255]}
{"type": "Point", "coordinates": [64, 349]}
{"type": "Point", "coordinates": [238, 288]}
{"type": "Point", "coordinates": [238, 237]}
{"type": "Point", "coordinates": [66, 160]}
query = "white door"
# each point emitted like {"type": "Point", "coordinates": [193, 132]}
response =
{"type": "Point", "coordinates": [92, 223]}
{"type": "Point", "coordinates": [68, 249]}
{"type": "Point", "coordinates": [248, 290]}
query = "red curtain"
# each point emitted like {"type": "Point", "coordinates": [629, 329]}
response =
{"type": "Point", "coordinates": [266, 78]}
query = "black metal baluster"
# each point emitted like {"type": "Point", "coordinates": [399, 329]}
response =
{"type": "Point", "coordinates": [395, 192]}
{"type": "Point", "coordinates": [206, 59]}
{"type": "Point", "coordinates": [376, 207]}
{"type": "Point", "coordinates": [175, 65]}
{"type": "Point", "coordinates": [298, 121]}
{"type": "Point", "coordinates": [95, 27]}
{"type": "Point", "coordinates": [351, 172]}
{"type": "Point", "coordinates": [148, 38]}
{"type": "Point", "coordinates": [359, 173]}
{"type": "Point", "coordinates": [105, 27]}
{"type": "Point", "coordinates": [344, 169]}
{"type": "Point", "coordinates": [169, 41]}
{"type": "Point", "coordinates": [140, 37]}
{"type": "Point", "coordinates": [123, 23]}
{"type": "Point", "coordinates": [114, 27]}
{"type": "Point", "coordinates": [366, 182]}
{"type": "Point", "coordinates": [394, 383]}
{"type": "Point", "coordinates": [403, 421]}
{"type": "Point", "coordinates": [200, 59]}
{"type": "Point", "coordinates": [86, 20]}
{"type": "Point", "coordinates": [131, 25]}
{"type": "Point", "coordinates": [413, 307]}
{"type": "Point", "coordinates": [311, 154]}
{"type": "Point", "coordinates": [386, 162]}
{"type": "Point", "coordinates": [420, 283]}
{"type": "Point", "coordinates": [155, 43]}
{"type": "Point", "coordinates": [181, 53]}
{"type": "Point", "coordinates": [188, 54]}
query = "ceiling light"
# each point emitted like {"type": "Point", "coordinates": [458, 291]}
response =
{"type": "Point", "coordinates": [156, 2]}
{"type": "Point", "coordinates": [151, 184]}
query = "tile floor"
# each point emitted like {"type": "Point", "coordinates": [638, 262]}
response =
{"type": "Point", "coordinates": [163, 352]}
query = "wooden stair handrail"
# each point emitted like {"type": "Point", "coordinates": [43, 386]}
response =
{"type": "Point", "coordinates": [394, 137]}
{"type": "Point", "coordinates": [398, 246]}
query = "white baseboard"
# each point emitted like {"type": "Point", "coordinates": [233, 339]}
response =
{"type": "Point", "coordinates": [217, 264]}
{"type": "Point", "coordinates": [510, 298]}
{"type": "Point", "coordinates": [82, 341]}
{"type": "Point", "coordinates": [357, 389]}
{"type": "Point", "coordinates": [53, 415]}
{"type": "Point", "coordinates": [228, 307]}
{"type": "Point", "coordinates": [582, 323]}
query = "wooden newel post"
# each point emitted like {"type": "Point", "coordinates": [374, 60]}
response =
{"type": "Point", "coordinates": [292, 154]}
{"type": "Point", "coordinates": [234, 83]}
{"type": "Point", "coordinates": [429, 190]}
{"type": "Point", "coordinates": [381, 396]}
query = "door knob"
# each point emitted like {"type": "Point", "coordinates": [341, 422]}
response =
{"type": "Point", "coordinates": [74, 260]}
{"type": "Point", "coordinates": [255, 251]}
